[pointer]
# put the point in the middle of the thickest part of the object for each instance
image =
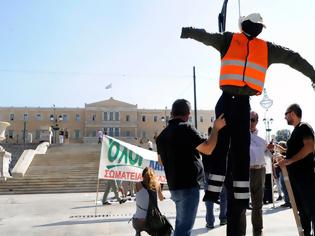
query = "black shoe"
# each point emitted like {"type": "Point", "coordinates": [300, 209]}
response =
{"type": "Point", "coordinates": [209, 226]}
{"type": "Point", "coordinates": [107, 203]}
{"type": "Point", "coordinates": [121, 201]}
{"type": "Point", "coordinates": [286, 205]}
{"type": "Point", "coordinates": [223, 222]}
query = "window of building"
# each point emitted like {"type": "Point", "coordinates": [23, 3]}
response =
{"type": "Point", "coordinates": [143, 134]}
{"type": "Point", "coordinates": [143, 118]}
{"type": "Point", "coordinates": [201, 118]}
{"type": "Point", "coordinates": [127, 133]}
{"type": "Point", "coordinates": [127, 118]}
{"type": "Point", "coordinates": [116, 132]}
{"type": "Point", "coordinates": [94, 133]}
{"type": "Point", "coordinates": [155, 118]}
{"type": "Point", "coordinates": [39, 116]}
{"type": "Point", "coordinates": [25, 116]}
{"type": "Point", "coordinates": [77, 134]}
{"type": "Point", "coordinates": [110, 131]}
{"type": "Point", "coordinates": [212, 119]}
{"type": "Point", "coordinates": [117, 116]}
{"type": "Point", "coordinates": [11, 116]}
{"type": "Point", "coordinates": [77, 117]}
{"type": "Point", "coordinates": [105, 116]}
{"type": "Point", "coordinates": [65, 117]}
{"type": "Point", "coordinates": [190, 119]}
{"type": "Point", "coordinates": [111, 115]}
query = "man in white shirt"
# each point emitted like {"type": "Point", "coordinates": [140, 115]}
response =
{"type": "Point", "coordinates": [100, 136]}
{"type": "Point", "coordinates": [258, 149]}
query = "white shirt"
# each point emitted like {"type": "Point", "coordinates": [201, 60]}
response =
{"type": "Point", "coordinates": [150, 144]}
{"type": "Point", "coordinates": [142, 203]}
{"type": "Point", "coordinates": [258, 148]}
{"type": "Point", "coordinates": [100, 134]}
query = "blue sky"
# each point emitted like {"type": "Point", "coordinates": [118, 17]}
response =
{"type": "Point", "coordinates": [67, 52]}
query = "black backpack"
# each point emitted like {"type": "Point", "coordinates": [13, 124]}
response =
{"type": "Point", "coordinates": [156, 223]}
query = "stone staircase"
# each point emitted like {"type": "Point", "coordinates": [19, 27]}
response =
{"type": "Point", "coordinates": [67, 168]}
{"type": "Point", "coordinates": [16, 151]}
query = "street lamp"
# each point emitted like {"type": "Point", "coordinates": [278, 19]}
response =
{"type": "Point", "coordinates": [24, 127]}
{"type": "Point", "coordinates": [54, 118]}
{"type": "Point", "coordinates": [266, 103]}
{"type": "Point", "coordinates": [163, 118]}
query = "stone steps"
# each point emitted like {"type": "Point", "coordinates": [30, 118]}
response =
{"type": "Point", "coordinates": [64, 169]}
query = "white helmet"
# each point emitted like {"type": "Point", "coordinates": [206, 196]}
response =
{"type": "Point", "coordinates": [254, 17]}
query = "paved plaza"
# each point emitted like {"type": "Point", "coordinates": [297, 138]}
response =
{"type": "Point", "coordinates": [74, 214]}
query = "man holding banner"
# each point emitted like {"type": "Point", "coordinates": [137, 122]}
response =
{"type": "Point", "coordinates": [299, 160]}
{"type": "Point", "coordinates": [178, 147]}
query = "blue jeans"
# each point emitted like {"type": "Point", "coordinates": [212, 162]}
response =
{"type": "Point", "coordinates": [209, 208]}
{"type": "Point", "coordinates": [284, 189]}
{"type": "Point", "coordinates": [186, 202]}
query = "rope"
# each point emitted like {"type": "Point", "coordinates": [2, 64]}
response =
{"type": "Point", "coordinates": [239, 8]}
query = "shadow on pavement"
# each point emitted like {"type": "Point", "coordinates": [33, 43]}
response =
{"type": "Point", "coordinates": [80, 222]}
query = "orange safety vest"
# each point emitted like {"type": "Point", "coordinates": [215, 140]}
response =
{"type": "Point", "coordinates": [245, 63]}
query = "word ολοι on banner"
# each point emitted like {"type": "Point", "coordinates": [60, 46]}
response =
{"type": "Point", "coordinates": [123, 161]}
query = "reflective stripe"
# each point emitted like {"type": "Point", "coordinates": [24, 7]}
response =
{"type": "Point", "coordinates": [241, 195]}
{"type": "Point", "coordinates": [240, 78]}
{"type": "Point", "coordinates": [254, 81]}
{"type": "Point", "coordinates": [213, 188]}
{"type": "Point", "coordinates": [256, 67]}
{"type": "Point", "coordinates": [241, 184]}
{"type": "Point", "coordinates": [242, 63]}
{"type": "Point", "coordinates": [286, 178]}
{"type": "Point", "coordinates": [216, 177]}
{"type": "Point", "coordinates": [232, 63]}
{"type": "Point", "coordinates": [231, 76]}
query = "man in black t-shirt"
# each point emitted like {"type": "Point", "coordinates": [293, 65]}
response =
{"type": "Point", "coordinates": [178, 147]}
{"type": "Point", "coordinates": [300, 163]}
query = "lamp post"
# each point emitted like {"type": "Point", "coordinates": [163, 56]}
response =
{"type": "Point", "coordinates": [163, 118]}
{"type": "Point", "coordinates": [24, 128]}
{"type": "Point", "coordinates": [266, 103]}
{"type": "Point", "coordinates": [55, 119]}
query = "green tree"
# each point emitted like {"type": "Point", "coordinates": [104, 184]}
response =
{"type": "Point", "coordinates": [283, 135]}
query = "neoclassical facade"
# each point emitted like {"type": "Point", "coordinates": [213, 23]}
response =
{"type": "Point", "coordinates": [117, 118]}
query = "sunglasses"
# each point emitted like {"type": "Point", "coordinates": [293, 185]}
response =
{"type": "Point", "coordinates": [253, 120]}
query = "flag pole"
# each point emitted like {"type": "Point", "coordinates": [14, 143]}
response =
{"type": "Point", "coordinates": [292, 200]}
{"type": "Point", "coordinates": [272, 183]}
{"type": "Point", "coordinates": [97, 189]}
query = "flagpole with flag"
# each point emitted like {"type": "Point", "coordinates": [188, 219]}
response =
{"type": "Point", "coordinates": [109, 86]}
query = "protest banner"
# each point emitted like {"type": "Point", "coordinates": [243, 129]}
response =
{"type": "Point", "coordinates": [123, 161]}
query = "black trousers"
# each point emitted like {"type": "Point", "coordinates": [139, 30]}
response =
{"type": "Point", "coordinates": [234, 139]}
{"type": "Point", "coordinates": [236, 213]}
{"type": "Point", "coordinates": [303, 187]}
{"type": "Point", "coordinates": [268, 189]}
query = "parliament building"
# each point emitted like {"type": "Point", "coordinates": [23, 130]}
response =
{"type": "Point", "coordinates": [118, 119]}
